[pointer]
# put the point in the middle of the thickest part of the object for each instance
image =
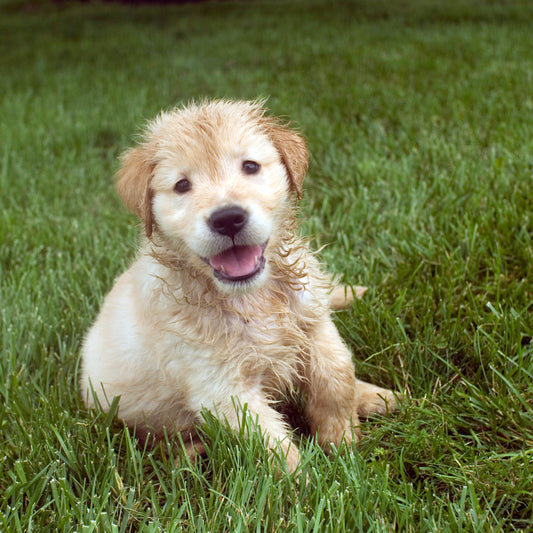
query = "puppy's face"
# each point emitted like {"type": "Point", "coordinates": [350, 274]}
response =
{"type": "Point", "coordinates": [215, 181]}
{"type": "Point", "coordinates": [221, 193]}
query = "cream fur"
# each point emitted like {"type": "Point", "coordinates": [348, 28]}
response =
{"type": "Point", "coordinates": [172, 339]}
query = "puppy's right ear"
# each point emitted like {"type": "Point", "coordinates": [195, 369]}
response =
{"type": "Point", "coordinates": [133, 184]}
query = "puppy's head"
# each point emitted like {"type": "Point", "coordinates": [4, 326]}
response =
{"type": "Point", "coordinates": [215, 180]}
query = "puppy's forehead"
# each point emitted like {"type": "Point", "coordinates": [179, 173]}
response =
{"type": "Point", "coordinates": [193, 134]}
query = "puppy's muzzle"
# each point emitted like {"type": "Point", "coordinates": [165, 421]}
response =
{"type": "Point", "coordinates": [240, 262]}
{"type": "Point", "coordinates": [228, 221]}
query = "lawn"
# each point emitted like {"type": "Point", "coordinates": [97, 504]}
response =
{"type": "Point", "coordinates": [419, 120]}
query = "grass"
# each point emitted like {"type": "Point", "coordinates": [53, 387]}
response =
{"type": "Point", "coordinates": [419, 118]}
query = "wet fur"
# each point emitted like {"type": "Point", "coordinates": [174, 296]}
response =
{"type": "Point", "coordinates": [171, 339]}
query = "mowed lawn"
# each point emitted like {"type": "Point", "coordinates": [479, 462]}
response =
{"type": "Point", "coordinates": [419, 120]}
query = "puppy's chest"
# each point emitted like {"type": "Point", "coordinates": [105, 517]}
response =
{"type": "Point", "coordinates": [268, 347]}
{"type": "Point", "coordinates": [274, 330]}
{"type": "Point", "coordinates": [281, 329]}
{"type": "Point", "coordinates": [262, 337]}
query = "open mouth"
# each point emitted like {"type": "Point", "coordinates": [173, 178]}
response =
{"type": "Point", "coordinates": [239, 263]}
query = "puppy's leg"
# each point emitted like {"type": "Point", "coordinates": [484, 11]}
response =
{"type": "Point", "coordinates": [336, 398]}
{"type": "Point", "coordinates": [275, 430]}
{"type": "Point", "coordinates": [343, 295]}
{"type": "Point", "coordinates": [330, 384]}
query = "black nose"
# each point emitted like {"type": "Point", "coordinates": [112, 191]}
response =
{"type": "Point", "coordinates": [228, 220]}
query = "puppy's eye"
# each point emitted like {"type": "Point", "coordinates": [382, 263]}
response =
{"type": "Point", "coordinates": [183, 186]}
{"type": "Point", "coordinates": [250, 167]}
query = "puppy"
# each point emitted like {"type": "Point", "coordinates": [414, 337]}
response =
{"type": "Point", "coordinates": [224, 307]}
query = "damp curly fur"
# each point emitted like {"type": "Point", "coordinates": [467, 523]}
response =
{"type": "Point", "coordinates": [221, 322]}
{"type": "Point", "coordinates": [218, 317]}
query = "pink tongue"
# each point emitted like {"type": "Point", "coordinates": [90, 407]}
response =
{"type": "Point", "coordinates": [237, 261]}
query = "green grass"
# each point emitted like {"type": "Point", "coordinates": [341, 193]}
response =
{"type": "Point", "coordinates": [419, 118]}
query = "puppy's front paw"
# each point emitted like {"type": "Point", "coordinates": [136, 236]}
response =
{"type": "Point", "coordinates": [286, 453]}
{"type": "Point", "coordinates": [373, 399]}
{"type": "Point", "coordinates": [292, 457]}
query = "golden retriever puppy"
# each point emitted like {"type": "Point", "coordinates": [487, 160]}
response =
{"type": "Point", "coordinates": [224, 306]}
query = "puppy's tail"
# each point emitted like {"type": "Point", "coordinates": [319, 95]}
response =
{"type": "Point", "coordinates": [343, 295]}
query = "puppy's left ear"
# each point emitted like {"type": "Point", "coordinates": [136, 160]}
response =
{"type": "Point", "coordinates": [133, 184]}
{"type": "Point", "coordinates": [294, 154]}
